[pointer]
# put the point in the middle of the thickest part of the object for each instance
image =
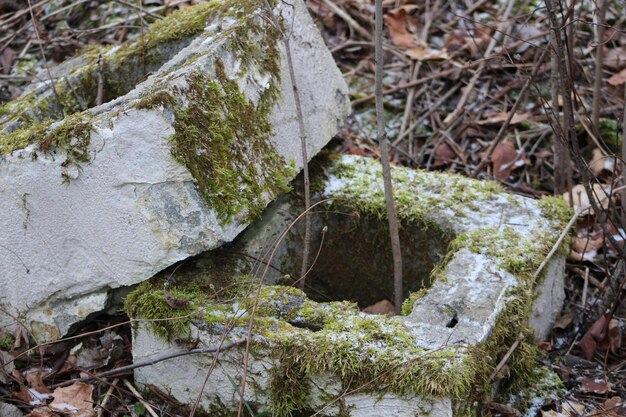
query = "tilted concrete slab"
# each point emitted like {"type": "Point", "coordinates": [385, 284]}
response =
{"type": "Point", "coordinates": [330, 358]}
{"type": "Point", "coordinates": [170, 167]}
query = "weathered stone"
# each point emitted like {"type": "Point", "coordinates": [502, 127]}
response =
{"type": "Point", "coordinates": [173, 166]}
{"type": "Point", "coordinates": [9, 410]}
{"type": "Point", "coordinates": [332, 359]}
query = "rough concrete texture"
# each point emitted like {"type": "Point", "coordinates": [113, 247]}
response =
{"type": "Point", "coordinates": [111, 209]}
{"type": "Point", "coordinates": [331, 359]}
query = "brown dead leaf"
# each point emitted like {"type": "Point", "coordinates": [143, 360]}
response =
{"type": "Point", "coordinates": [503, 157]}
{"type": "Point", "coordinates": [585, 244]}
{"type": "Point", "coordinates": [614, 337]}
{"type": "Point", "coordinates": [396, 20]}
{"type": "Point", "coordinates": [595, 385]}
{"type": "Point", "coordinates": [27, 394]}
{"type": "Point", "coordinates": [588, 256]}
{"type": "Point", "coordinates": [35, 381]}
{"type": "Point", "coordinates": [422, 52]}
{"type": "Point", "coordinates": [500, 117]}
{"type": "Point", "coordinates": [8, 365]}
{"type": "Point", "coordinates": [563, 321]}
{"type": "Point", "coordinates": [504, 410]}
{"type": "Point", "coordinates": [581, 200]}
{"type": "Point", "coordinates": [601, 163]}
{"type": "Point", "coordinates": [573, 408]}
{"type": "Point", "coordinates": [596, 333]}
{"type": "Point", "coordinates": [614, 407]}
{"type": "Point", "coordinates": [42, 412]}
{"type": "Point", "coordinates": [618, 78]}
{"type": "Point", "coordinates": [7, 57]}
{"type": "Point", "coordinates": [551, 413]}
{"type": "Point", "coordinates": [384, 307]}
{"type": "Point", "coordinates": [76, 398]}
{"type": "Point", "coordinates": [615, 58]}
{"type": "Point", "coordinates": [444, 154]}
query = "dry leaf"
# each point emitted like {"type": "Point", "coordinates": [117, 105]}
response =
{"type": "Point", "coordinates": [503, 158]}
{"type": "Point", "coordinates": [551, 413]}
{"type": "Point", "coordinates": [563, 321]}
{"type": "Point", "coordinates": [618, 79]}
{"type": "Point", "coordinates": [584, 243]}
{"type": "Point", "coordinates": [573, 408]}
{"type": "Point", "coordinates": [500, 117]}
{"type": "Point", "coordinates": [588, 256]}
{"type": "Point", "coordinates": [42, 412]}
{"type": "Point", "coordinates": [601, 163]}
{"type": "Point", "coordinates": [594, 335]}
{"type": "Point", "coordinates": [77, 398]}
{"type": "Point", "coordinates": [383, 307]}
{"type": "Point", "coordinates": [595, 385]}
{"type": "Point", "coordinates": [504, 410]}
{"type": "Point", "coordinates": [443, 154]}
{"type": "Point", "coordinates": [615, 58]}
{"type": "Point", "coordinates": [7, 57]}
{"type": "Point", "coordinates": [614, 336]}
{"type": "Point", "coordinates": [614, 407]}
{"type": "Point", "coordinates": [581, 200]}
{"type": "Point", "coordinates": [7, 366]}
{"type": "Point", "coordinates": [397, 21]}
{"type": "Point", "coordinates": [422, 52]}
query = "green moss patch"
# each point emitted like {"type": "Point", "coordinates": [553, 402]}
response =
{"type": "Point", "coordinates": [224, 141]}
{"type": "Point", "coordinates": [376, 354]}
{"type": "Point", "coordinates": [127, 65]}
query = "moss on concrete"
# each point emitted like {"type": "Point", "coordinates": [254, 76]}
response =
{"type": "Point", "coordinates": [129, 64]}
{"type": "Point", "coordinates": [223, 139]}
{"type": "Point", "coordinates": [378, 354]}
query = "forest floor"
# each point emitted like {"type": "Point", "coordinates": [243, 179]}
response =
{"type": "Point", "coordinates": [454, 71]}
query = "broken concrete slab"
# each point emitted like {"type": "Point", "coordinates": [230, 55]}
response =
{"type": "Point", "coordinates": [329, 357]}
{"type": "Point", "coordinates": [170, 167]}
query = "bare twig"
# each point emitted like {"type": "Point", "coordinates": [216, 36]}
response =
{"type": "Point", "coordinates": [348, 19]}
{"type": "Point", "coordinates": [384, 158]}
{"type": "Point", "coordinates": [499, 35]}
{"type": "Point", "coordinates": [100, 95]}
{"type": "Point", "coordinates": [506, 357]}
{"type": "Point", "coordinates": [510, 115]}
{"type": "Point", "coordinates": [623, 199]}
{"type": "Point", "coordinates": [43, 56]}
{"type": "Point", "coordinates": [152, 361]}
{"type": "Point", "coordinates": [559, 241]}
{"type": "Point", "coordinates": [137, 395]}
{"type": "Point", "coordinates": [106, 398]}
{"type": "Point", "coordinates": [597, 82]}
{"type": "Point", "coordinates": [306, 245]}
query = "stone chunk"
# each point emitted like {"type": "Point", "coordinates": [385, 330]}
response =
{"type": "Point", "coordinates": [170, 167]}
{"type": "Point", "coordinates": [331, 358]}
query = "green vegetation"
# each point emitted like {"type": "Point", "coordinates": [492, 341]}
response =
{"type": "Point", "coordinates": [127, 65]}
{"type": "Point", "coordinates": [384, 354]}
{"type": "Point", "coordinates": [224, 141]}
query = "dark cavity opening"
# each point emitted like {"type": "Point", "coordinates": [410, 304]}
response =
{"type": "Point", "coordinates": [352, 259]}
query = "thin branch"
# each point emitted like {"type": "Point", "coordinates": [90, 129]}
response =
{"type": "Point", "coordinates": [152, 361]}
{"type": "Point", "coordinates": [597, 82]}
{"type": "Point", "coordinates": [509, 116]}
{"type": "Point", "coordinates": [384, 159]}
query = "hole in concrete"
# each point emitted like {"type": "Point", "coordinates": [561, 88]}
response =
{"type": "Point", "coordinates": [352, 260]}
{"type": "Point", "coordinates": [355, 262]}
{"type": "Point", "coordinates": [453, 322]}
